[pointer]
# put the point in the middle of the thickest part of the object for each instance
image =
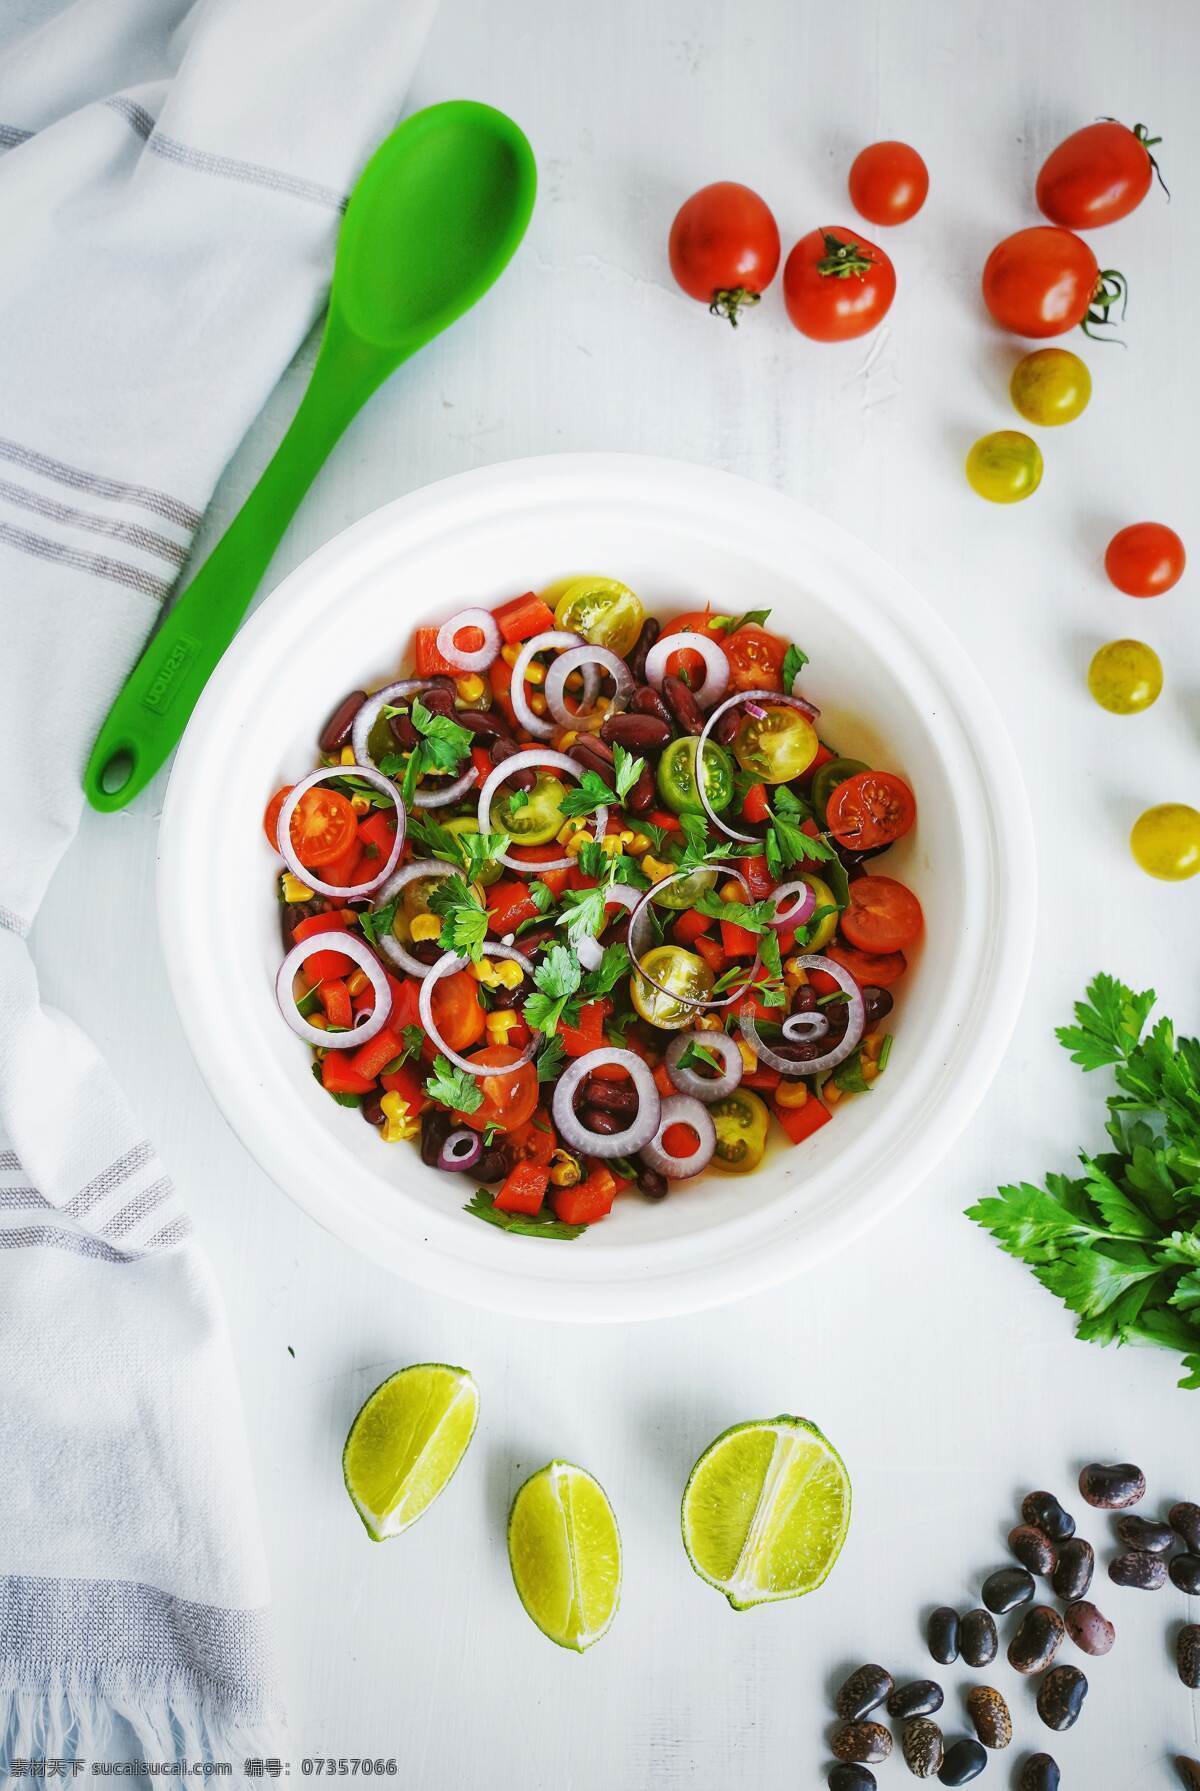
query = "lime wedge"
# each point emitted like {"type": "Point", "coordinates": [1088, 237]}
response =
{"type": "Point", "coordinates": [406, 1443]}
{"type": "Point", "coordinates": [565, 1553]}
{"type": "Point", "coordinates": [766, 1510]}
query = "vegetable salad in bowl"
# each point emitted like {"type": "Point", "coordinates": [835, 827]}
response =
{"type": "Point", "coordinates": [586, 903]}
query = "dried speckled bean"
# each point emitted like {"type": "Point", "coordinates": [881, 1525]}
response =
{"type": "Point", "coordinates": [1145, 1533]}
{"type": "Point", "coordinates": [1185, 1573]}
{"type": "Point", "coordinates": [922, 1746]}
{"type": "Point", "coordinates": [851, 1778]}
{"type": "Point", "coordinates": [1187, 1655]}
{"type": "Point", "coordinates": [1111, 1486]}
{"type": "Point", "coordinates": [1076, 1564]}
{"type": "Point", "coordinates": [1189, 1772]}
{"type": "Point", "coordinates": [862, 1692]}
{"type": "Point", "coordinates": [1007, 1588]}
{"type": "Point", "coordinates": [1037, 1641]}
{"type": "Point", "coordinates": [942, 1635]}
{"type": "Point", "coordinates": [965, 1760]}
{"type": "Point", "coordinates": [978, 1638]}
{"type": "Point", "coordinates": [1137, 1569]}
{"type": "Point", "coordinates": [1060, 1697]}
{"type": "Point", "coordinates": [864, 1744]}
{"type": "Point", "coordinates": [1184, 1519]}
{"type": "Point", "coordinates": [1044, 1510]}
{"type": "Point", "coordinates": [1089, 1628]}
{"type": "Point", "coordinates": [1039, 1773]}
{"type": "Point", "coordinates": [1033, 1548]}
{"type": "Point", "coordinates": [989, 1716]}
{"type": "Point", "coordinates": [921, 1697]}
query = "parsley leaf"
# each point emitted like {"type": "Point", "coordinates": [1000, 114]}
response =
{"type": "Point", "coordinates": [464, 918]}
{"type": "Point", "coordinates": [482, 1206]}
{"type": "Point", "coordinates": [453, 1087]}
{"type": "Point", "coordinates": [729, 625]}
{"type": "Point", "coordinates": [583, 914]}
{"type": "Point", "coordinates": [794, 662]}
{"type": "Point", "coordinates": [590, 794]}
{"type": "Point", "coordinates": [377, 923]}
{"type": "Point", "coordinates": [626, 770]}
{"type": "Point", "coordinates": [694, 1056]}
{"type": "Point", "coordinates": [550, 1060]}
{"type": "Point", "coordinates": [613, 966]}
{"type": "Point", "coordinates": [540, 895]}
{"type": "Point", "coordinates": [558, 976]}
{"type": "Point", "coordinates": [755, 917]}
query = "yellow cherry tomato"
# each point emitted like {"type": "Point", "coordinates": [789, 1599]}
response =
{"type": "Point", "coordinates": [683, 973]}
{"type": "Point", "coordinates": [1166, 841]}
{"type": "Point", "coordinates": [775, 746]}
{"type": "Point", "coordinates": [1005, 467]}
{"type": "Point", "coordinates": [741, 1122]}
{"type": "Point", "coordinates": [1051, 386]}
{"type": "Point", "coordinates": [1125, 677]}
{"type": "Point", "coordinates": [604, 611]}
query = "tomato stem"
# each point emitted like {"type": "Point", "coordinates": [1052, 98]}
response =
{"type": "Point", "coordinates": [843, 259]}
{"type": "Point", "coordinates": [729, 302]}
{"type": "Point", "coordinates": [1142, 133]}
{"type": "Point", "coordinates": [1111, 286]}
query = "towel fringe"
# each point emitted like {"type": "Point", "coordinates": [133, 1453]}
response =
{"type": "Point", "coordinates": [156, 1719]}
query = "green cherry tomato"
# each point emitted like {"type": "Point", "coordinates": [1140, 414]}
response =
{"type": "Point", "coordinates": [683, 973]}
{"type": "Point", "coordinates": [777, 746]}
{"type": "Point", "coordinates": [684, 893]}
{"type": "Point", "coordinates": [826, 927]}
{"type": "Point", "coordinates": [1004, 467]}
{"type": "Point", "coordinates": [1125, 677]}
{"type": "Point", "coordinates": [1166, 841]}
{"type": "Point", "coordinates": [492, 870]}
{"type": "Point", "coordinates": [825, 781]}
{"type": "Point", "coordinates": [742, 1122]}
{"type": "Point", "coordinates": [532, 817]}
{"type": "Point", "coordinates": [677, 775]}
{"type": "Point", "coordinates": [1051, 386]}
{"type": "Point", "coordinates": [604, 611]}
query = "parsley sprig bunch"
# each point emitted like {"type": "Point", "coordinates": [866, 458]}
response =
{"type": "Point", "coordinates": [1120, 1244]}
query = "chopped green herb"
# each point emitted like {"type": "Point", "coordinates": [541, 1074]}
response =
{"type": "Point", "coordinates": [613, 966]}
{"type": "Point", "coordinates": [694, 1056]}
{"type": "Point", "coordinates": [557, 976]}
{"type": "Point", "coordinates": [729, 625]}
{"type": "Point", "coordinates": [590, 793]}
{"type": "Point", "coordinates": [794, 661]}
{"type": "Point", "coordinates": [626, 771]}
{"type": "Point", "coordinates": [550, 1060]}
{"type": "Point", "coordinates": [848, 1076]}
{"type": "Point", "coordinates": [885, 1051]}
{"type": "Point", "coordinates": [541, 896]}
{"type": "Point", "coordinates": [755, 917]}
{"type": "Point", "coordinates": [377, 924]}
{"type": "Point", "coordinates": [455, 1088]}
{"type": "Point", "coordinates": [464, 918]}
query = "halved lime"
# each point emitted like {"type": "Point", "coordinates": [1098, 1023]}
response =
{"type": "Point", "coordinates": [405, 1444]}
{"type": "Point", "coordinates": [766, 1510]}
{"type": "Point", "coordinates": [565, 1551]}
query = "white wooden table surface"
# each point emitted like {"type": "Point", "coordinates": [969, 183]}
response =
{"type": "Point", "coordinates": [949, 1380]}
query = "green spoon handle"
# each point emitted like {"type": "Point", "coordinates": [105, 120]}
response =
{"type": "Point", "coordinates": [147, 719]}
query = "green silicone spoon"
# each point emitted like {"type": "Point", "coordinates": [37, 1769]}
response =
{"type": "Point", "coordinates": [433, 221]}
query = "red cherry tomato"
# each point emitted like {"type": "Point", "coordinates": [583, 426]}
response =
{"type": "Point", "coordinates": [888, 183]}
{"type": "Point", "coordinates": [1145, 559]}
{"type": "Point", "coordinates": [870, 970]}
{"type": "Point", "coordinates": [755, 659]}
{"type": "Point", "coordinates": [837, 286]}
{"type": "Point", "coordinates": [323, 827]}
{"type": "Point", "coordinates": [271, 815]}
{"type": "Point", "coordinates": [883, 916]}
{"type": "Point", "coordinates": [724, 247]}
{"type": "Point", "coordinates": [869, 810]}
{"type": "Point", "coordinates": [508, 1101]}
{"type": "Point", "coordinates": [457, 1010]}
{"type": "Point", "coordinates": [1097, 175]}
{"type": "Point", "coordinates": [1043, 281]}
{"type": "Point", "coordinates": [687, 663]}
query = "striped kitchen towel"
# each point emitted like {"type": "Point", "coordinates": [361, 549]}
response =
{"type": "Point", "coordinates": [172, 177]}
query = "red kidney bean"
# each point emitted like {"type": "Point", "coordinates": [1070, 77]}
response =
{"type": "Point", "coordinates": [641, 796]}
{"type": "Point", "coordinates": [336, 731]}
{"type": "Point", "coordinates": [591, 752]}
{"type": "Point", "coordinates": [436, 1127]}
{"type": "Point", "coordinates": [651, 1183]}
{"type": "Point", "coordinates": [636, 733]}
{"type": "Point", "coordinates": [1137, 1569]}
{"type": "Point", "coordinates": [1111, 1487]}
{"type": "Point", "coordinates": [597, 1120]}
{"type": "Point", "coordinates": [1184, 1519]}
{"type": "Point", "coordinates": [1187, 1655]}
{"type": "Point", "coordinates": [1089, 1628]}
{"type": "Point", "coordinates": [485, 726]}
{"type": "Point", "coordinates": [371, 1108]}
{"type": "Point", "coordinates": [613, 1097]}
{"type": "Point", "coordinates": [728, 726]}
{"type": "Point", "coordinates": [401, 729]}
{"type": "Point", "coordinates": [646, 701]}
{"type": "Point", "coordinates": [1076, 1564]}
{"type": "Point", "coordinates": [1060, 1697]}
{"type": "Point", "coordinates": [877, 1005]}
{"type": "Point", "coordinates": [989, 1716]}
{"type": "Point", "coordinates": [636, 661]}
{"type": "Point", "coordinates": [1037, 1641]}
{"type": "Point", "coordinates": [683, 705]}
{"type": "Point", "coordinates": [525, 778]}
{"type": "Point", "coordinates": [438, 699]}
{"type": "Point", "coordinates": [864, 1691]}
{"type": "Point", "coordinates": [492, 1166]}
{"type": "Point", "coordinates": [1033, 1548]}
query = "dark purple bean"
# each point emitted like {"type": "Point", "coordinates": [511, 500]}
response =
{"type": "Point", "coordinates": [851, 1778]}
{"type": "Point", "coordinates": [865, 1690]}
{"type": "Point", "coordinates": [989, 1716]}
{"type": "Point", "coordinates": [1044, 1510]}
{"type": "Point", "coordinates": [1187, 1655]}
{"type": "Point", "coordinates": [493, 1165]}
{"type": "Point", "coordinates": [1039, 1773]}
{"type": "Point", "coordinates": [965, 1760]}
{"type": "Point", "coordinates": [1089, 1628]}
{"type": "Point", "coordinates": [371, 1108]}
{"type": "Point", "coordinates": [921, 1697]}
{"type": "Point", "coordinates": [636, 733]}
{"type": "Point", "coordinates": [641, 796]}
{"type": "Point", "coordinates": [597, 1120]}
{"type": "Point", "coordinates": [1033, 1549]}
{"type": "Point", "coordinates": [401, 729]}
{"type": "Point", "coordinates": [724, 730]}
{"type": "Point", "coordinates": [942, 1635]}
{"type": "Point", "coordinates": [592, 754]}
{"type": "Point", "coordinates": [646, 701]}
{"type": "Point", "coordinates": [1184, 1519]}
{"type": "Point", "coordinates": [636, 659]}
{"type": "Point", "coordinates": [438, 698]}
{"type": "Point", "coordinates": [336, 731]}
{"type": "Point", "coordinates": [864, 1743]}
{"type": "Point", "coordinates": [1060, 1697]}
{"type": "Point", "coordinates": [1007, 1588]}
{"type": "Point", "coordinates": [683, 706]}
{"type": "Point", "coordinates": [436, 1127]}
{"type": "Point", "coordinates": [877, 1005]}
{"type": "Point", "coordinates": [1185, 1573]}
{"type": "Point", "coordinates": [1037, 1641]}
{"type": "Point", "coordinates": [426, 951]}
{"type": "Point", "coordinates": [923, 1748]}
{"type": "Point", "coordinates": [1138, 1570]}
{"type": "Point", "coordinates": [292, 913]}
{"type": "Point", "coordinates": [1145, 1533]}
{"type": "Point", "coordinates": [652, 1183]}
{"type": "Point", "coordinates": [1113, 1486]}
{"type": "Point", "coordinates": [978, 1638]}
{"type": "Point", "coordinates": [526, 777]}
{"type": "Point", "coordinates": [485, 725]}
{"type": "Point", "coordinates": [613, 1097]}
{"type": "Point", "coordinates": [1076, 1564]}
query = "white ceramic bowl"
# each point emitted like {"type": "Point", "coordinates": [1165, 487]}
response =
{"type": "Point", "coordinates": [894, 688]}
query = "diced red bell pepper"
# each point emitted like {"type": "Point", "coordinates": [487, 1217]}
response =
{"type": "Point", "coordinates": [522, 617]}
{"type": "Point", "coordinates": [754, 1009]}
{"type": "Point", "coordinates": [823, 757]}
{"type": "Point", "coordinates": [403, 1011]}
{"type": "Point", "coordinates": [334, 997]}
{"type": "Point", "coordinates": [597, 1170]}
{"type": "Point", "coordinates": [589, 1034]}
{"type": "Point", "coordinates": [739, 942]}
{"type": "Point", "coordinates": [690, 926]}
{"type": "Point", "coordinates": [755, 806]}
{"type": "Point", "coordinates": [663, 818]}
{"type": "Point", "coordinates": [523, 1189]}
{"type": "Point", "coordinates": [429, 662]}
{"type": "Point", "coordinates": [534, 859]}
{"type": "Point", "coordinates": [759, 880]}
{"type": "Point", "coordinates": [509, 905]}
{"type": "Point", "coordinates": [378, 829]}
{"type": "Point", "coordinates": [323, 964]}
{"type": "Point", "coordinates": [588, 1201]}
{"type": "Point", "coordinates": [340, 1077]}
{"type": "Point", "coordinates": [500, 677]}
{"type": "Point", "coordinates": [801, 1122]}
{"type": "Point", "coordinates": [712, 953]}
{"type": "Point", "coordinates": [370, 1058]}
{"type": "Point", "coordinates": [340, 872]}
{"type": "Point", "coordinates": [481, 758]}
{"type": "Point", "coordinates": [663, 1082]}
{"type": "Point", "coordinates": [762, 1077]}
{"type": "Point", "coordinates": [406, 1082]}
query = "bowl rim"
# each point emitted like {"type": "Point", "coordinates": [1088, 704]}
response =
{"type": "Point", "coordinates": [537, 483]}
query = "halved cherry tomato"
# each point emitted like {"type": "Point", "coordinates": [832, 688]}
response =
{"type": "Point", "coordinates": [271, 815]}
{"type": "Point", "coordinates": [883, 915]}
{"type": "Point", "coordinates": [755, 658]}
{"type": "Point", "coordinates": [457, 1011]}
{"type": "Point", "coordinates": [1145, 559]}
{"type": "Point", "coordinates": [687, 663]}
{"type": "Point", "coordinates": [1096, 175]}
{"type": "Point", "coordinates": [323, 826]}
{"type": "Point", "coordinates": [870, 810]}
{"type": "Point", "coordinates": [877, 970]}
{"type": "Point", "coordinates": [534, 1142]}
{"type": "Point", "coordinates": [1043, 281]}
{"type": "Point", "coordinates": [508, 1101]}
{"type": "Point", "coordinates": [724, 247]}
{"type": "Point", "coordinates": [836, 285]}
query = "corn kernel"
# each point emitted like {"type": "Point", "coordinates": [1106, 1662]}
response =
{"type": "Point", "coordinates": [347, 756]}
{"type": "Point", "coordinates": [470, 687]}
{"type": "Point", "coordinates": [638, 843]}
{"type": "Point", "coordinates": [570, 829]}
{"type": "Point", "coordinates": [793, 968]}
{"type": "Point", "coordinates": [791, 1094]}
{"type": "Point", "coordinates": [565, 738]}
{"type": "Point", "coordinates": [486, 972]}
{"type": "Point", "coordinates": [357, 982]}
{"type": "Point", "coordinates": [426, 926]}
{"type": "Point", "coordinates": [399, 1121]}
{"type": "Point", "coordinates": [564, 1169]}
{"type": "Point", "coordinates": [610, 845]}
{"type": "Point", "coordinates": [535, 672]}
{"type": "Point", "coordinates": [870, 1069]}
{"type": "Point", "coordinates": [655, 869]}
{"type": "Point", "coordinates": [831, 1094]}
{"type": "Point", "coordinates": [625, 835]}
{"type": "Point", "coordinates": [319, 1021]}
{"type": "Point", "coordinates": [537, 703]}
{"type": "Point", "coordinates": [748, 1055]}
{"type": "Point", "coordinates": [360, 804]}
{"type": "Point", "coordinates": [872, 1044]}
{"type": "Point", "coordinates": [499, 1023]}
{"type": "Point", "coordinates": [294, 890]}
{"type": "Point", "coordinates": [509, 973]}
{"type": "Point", "coordinates": [732, 892]}
{"type": "Point", "coordinates": [707, 1023]}
{"type": "Point", "coordinates": [510, 654]}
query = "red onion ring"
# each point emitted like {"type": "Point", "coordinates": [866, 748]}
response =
{"type": "Point", "coordinates": [784, 917]}
{"type": "Point", "coordinates": [446, 966]}
{"type": "Point", "coordinates": [441, 795]}
{"type": "Point", "coordinates": [561, 638]}
{"type": "Point", "coordinates": [368, 715]}
{"type": "Point", "coordinates": [740, 696]}
{"type": "Point", "coordinates": [478, 660]}
{"type": "Point", "coordinates": [283, 836]}
{"type": "Point", "coordinates": [682, 1110]}
{"type": "Point", "coordinates": [716, 663]}
{"type": "Point", "coordinates": [576, 659]}
{"type": "Point", "coordinates": [351, 946]}
{"type": "Point", "coordinates": [461, 1150]}
{"type": "Point", "coordinates": [537, 757]}
{"type": "Point", "coordinates": [641, 913]}
{"type": "Point", "coordinates": [690, 1082]}
{"type": "Point", "coordinates": [640, 1129]}
{"type": "Point", "coordinates": [589, 951]}
{"type": "Point", "coordinates": [389, 945]}
{"type": "Point", "coordinates": [855, 1021]}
